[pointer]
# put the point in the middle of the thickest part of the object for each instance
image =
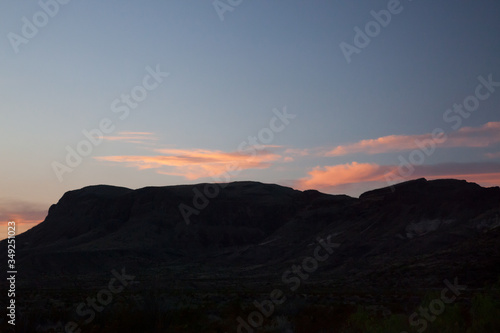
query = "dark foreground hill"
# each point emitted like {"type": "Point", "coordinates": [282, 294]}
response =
{"type": "Point", "coordinates": [248, 238]}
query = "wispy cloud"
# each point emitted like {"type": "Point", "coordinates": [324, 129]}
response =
{"type": "Point", "coordinates": [484, 136]}
{"type": "Point", "coordinates": [292, 154]}
{"type": "Point", "coordinates": [340, 177]}
{"type": "Point", "coordinates": [193, 164]}
{"type": "Point", "coordinates": [298, 152]}
{"type": "Point", "coordinates": [133, 137]}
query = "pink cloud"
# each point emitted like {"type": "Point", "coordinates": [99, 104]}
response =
{"type": "Point", "coordinates": [196, 163]}
{"type": "Point", "coordinates": [365, 176]}
{"type": "Point", "coordinates": [331, 177]}
{"type": "Point", "coordinates": [25, 214]}
{"type": "Point", "coordinates": [484, 136]}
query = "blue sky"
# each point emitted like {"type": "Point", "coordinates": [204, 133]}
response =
{"type": "Point", "coordinates": [225, 79]}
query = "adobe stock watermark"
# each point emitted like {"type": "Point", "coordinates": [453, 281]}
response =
{"type": "Point", "coordinates": [222, 6]}
{"type": "Point", "coordinates": [292, 277]}
{"type": "Point", "coordinates": [250, 147]}
{"type": "Point", "coordinates": [103, 298]}
{"type": "Point", "coordinates": [121, 106]}
{"type": "Point", "coordinates": [436, 306]}
{"type": "Point", "coordinates": [30, 28]}
{"type": "Point", "coordinates": [453, 116]}
{"type": "Point", "coordinates": [372, 29]}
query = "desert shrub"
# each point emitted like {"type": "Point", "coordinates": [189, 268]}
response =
{"type": "Point", "coordinates": [364, 321]}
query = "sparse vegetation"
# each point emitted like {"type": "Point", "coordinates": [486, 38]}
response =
{"type": "Point", "coordinates": [159, 312]}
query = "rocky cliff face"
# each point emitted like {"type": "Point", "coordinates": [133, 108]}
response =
{"type": "Point", "coordinates": [416, 233]}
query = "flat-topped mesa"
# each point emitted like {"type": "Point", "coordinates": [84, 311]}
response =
{"type": "Point", "coordinates": [256, 209]}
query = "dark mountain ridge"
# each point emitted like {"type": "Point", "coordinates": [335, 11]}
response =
{"type": "Point", "coordinates": [417, 232]}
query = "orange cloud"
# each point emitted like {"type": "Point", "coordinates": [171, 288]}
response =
{"type": "Point", "coordinates": [196, 163]}
{"type": "Point", "coordinates": [484, 136]}
{"type": "Point", "coordinates": [365, 176]}
{"type": "Point", "coordinates": [330, 177]}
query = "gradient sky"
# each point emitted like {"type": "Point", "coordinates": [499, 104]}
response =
{"type": "Point", "coordinates": [354, 122]}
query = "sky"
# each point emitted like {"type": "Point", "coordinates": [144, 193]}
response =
{"type": "Point", "coordinates": [338, 96]}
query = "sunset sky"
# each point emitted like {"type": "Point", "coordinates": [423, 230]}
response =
{"type": "Point", "coordinates": [338, 96]}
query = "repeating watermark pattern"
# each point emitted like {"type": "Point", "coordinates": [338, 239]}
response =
{"type": "Point", "coordinates": [249, 148]}
{"type": "Point", "coordinates": [11, 272]}
{"type": "Point", "coordinates": [292, 277]}
{"type": "Point", "coordinates": [222, 6]}
{"type": "Point", "coordinates": [453, 116]}
{"type": "Point", "coordinates": [121, 106]}
{"type": "Point", "coordinates": [87, 310]}
{"type": "Point", "coordinates": [30, 28]}
{"type": "Point", "coordinates": [363, 37]}
{"type": "Point", "coordinates": [436, 306]}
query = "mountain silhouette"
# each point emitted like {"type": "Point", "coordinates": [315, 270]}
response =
{"type": "Point", "coordinates": [414, 233]}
